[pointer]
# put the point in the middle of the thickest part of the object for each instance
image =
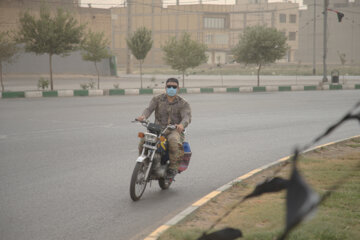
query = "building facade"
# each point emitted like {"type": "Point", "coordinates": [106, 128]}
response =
{"type": "Point", "coordinates": [95, 19]}
{"type": "Point", "coordinates": [218, 26]}
{"type": "Point", "coordinates": [342, 38]}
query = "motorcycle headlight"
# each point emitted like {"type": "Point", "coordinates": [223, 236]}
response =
{"type": "Point", "coordinates": [150, 137]}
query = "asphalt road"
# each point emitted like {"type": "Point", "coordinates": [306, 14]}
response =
{"type": "Point", "coordinates": [29, 82]}
{"type": "Point", "coordinates": [65, 163]}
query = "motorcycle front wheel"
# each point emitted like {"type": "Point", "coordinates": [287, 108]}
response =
{"type": "Point", "coordinates": [165, 183]}
{"type": "Point", "coordinates": [138, 182]}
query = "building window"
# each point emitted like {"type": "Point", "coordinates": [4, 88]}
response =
{"type": "Point", "coordinates": [208, 38]}
{"type": "Point", "coordinates": [282, 18]}
{"type": "Point", "coordinates": [292, 18]}
{"type": "Point", "coordinates": [283, 32]}
{"type": "Point", "coordinates": [292, 36]}
{"type": "Point", "coordinates": [221, 39]}
{"type": "Point", "coordinates": [212, 22]}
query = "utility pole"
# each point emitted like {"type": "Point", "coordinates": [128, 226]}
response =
{"type": "Point", "coordinates": [326, 4]}
{"type": "Point", "coordinates": [352, 40]}
{"type": "Point", "coordinates": [314, 41]}
{"type": "Point", "coordinates": [129, 30]}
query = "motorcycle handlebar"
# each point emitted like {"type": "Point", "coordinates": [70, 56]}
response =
{"type": "Point", "coordinates": [171, 126]}
{"type": "Point", "coordinates": [143, 121]}
{"type": "Point", "coordinates": [146, 122]}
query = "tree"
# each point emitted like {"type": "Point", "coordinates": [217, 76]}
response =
{"type": "Point", "coordinates": [8, 49]}
{"type": "Point", "coordinates": [184, 53]}
{"type": "Point", "coordinates": [57, 35]}
{"type": "Point", "coordinates": [94, 49]}
{"type": "Point", "coordinates": [260, 45]}
{"type": "Point", "coordinates": [140, 44]}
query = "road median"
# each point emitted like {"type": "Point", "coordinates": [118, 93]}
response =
{"type": "Point", "coordinates": [155, 91]}
{"type": "Point", "coordinates": [264, 217]}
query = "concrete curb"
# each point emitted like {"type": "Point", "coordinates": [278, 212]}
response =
{"type": "Point", "coordinates": [272, 88]}
{"type": "Point", "coordinates": [175, 220]}
{"type": "Point", "coordinates": [297, 88]}
{"type": "Point", "coordinates": [219, 90]}
{"type": "Point", "coordinates": [132, 92]}
{"type": "Point", "coordinates": [245, 89]}
{"type": "Point", "coordinates": [193, 90]}
{"type": "Point", "coordinates": [66, 93]}
{"type": "Point", "coordinates": [116, 92]}
{"type": "Point", "coordinates": [98, 92]}
{"type": "Point", "coordinates": [159, 91]}
{"type": "Point", "coordinates": [33, 94]}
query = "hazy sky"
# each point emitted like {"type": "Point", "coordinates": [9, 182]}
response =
{"type": "Point", "coordinates": [114, 3]}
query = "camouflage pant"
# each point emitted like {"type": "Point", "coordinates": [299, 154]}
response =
{"type": "Point", "coordinates": [176, 150]}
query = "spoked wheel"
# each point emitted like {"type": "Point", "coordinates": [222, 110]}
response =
{"type": "Point", "coordinates": [138, 181]}
{"type": "Point", "coordinates": [165, 183]}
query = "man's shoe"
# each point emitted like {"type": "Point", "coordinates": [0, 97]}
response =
{"type": "Point", "coordinates": [171, 173]}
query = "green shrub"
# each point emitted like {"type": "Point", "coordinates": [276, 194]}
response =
{"type": "Point", "coordinates": [86, 86]}
{"type": "Point", "coordinates": [91, 85]}
{"type": "Point", "coordinates": [43, 83]}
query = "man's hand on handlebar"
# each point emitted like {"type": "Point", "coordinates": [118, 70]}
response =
{"type": "Point", "coordinates": [141, 118]}
{"type": "Point", "coordinates": [179, 128]}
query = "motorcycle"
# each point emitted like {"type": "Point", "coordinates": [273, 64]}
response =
{"type": "Point", "coordinates": [153, 162]}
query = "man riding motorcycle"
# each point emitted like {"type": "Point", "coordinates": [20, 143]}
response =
{"type": "Point", "coordinates": [170, 109]}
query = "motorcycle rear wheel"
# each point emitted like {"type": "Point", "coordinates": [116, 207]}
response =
{"type": "Point", "coordinates": [138, 182]}
{"type": "Point", "coordinates": [165, 183]}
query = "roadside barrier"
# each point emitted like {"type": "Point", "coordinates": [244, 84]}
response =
{"type": "Point", "coordinates": [143, 91]}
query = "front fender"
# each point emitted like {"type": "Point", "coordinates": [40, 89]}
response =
{"type": "Point", "coordinates": [141, 158]}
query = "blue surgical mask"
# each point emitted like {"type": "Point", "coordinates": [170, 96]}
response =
{"type": "Point", "coordinates": [171, 91]}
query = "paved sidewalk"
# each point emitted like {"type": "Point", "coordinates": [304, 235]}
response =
{"type": "Point", "coordinates": [118, 91]}
{"type": "Point", "coordinates": [123, 81]}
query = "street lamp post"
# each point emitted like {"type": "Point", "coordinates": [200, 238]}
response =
{"type": "Point", "coordinates": [326, 3]}
{"type": "Point", "coordinates": [314, 41]}
{"type": "Point", "coordinates": [340, 15]}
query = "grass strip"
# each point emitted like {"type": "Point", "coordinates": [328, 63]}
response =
{"type": "Point", "coordinates": [183, 90]}
{"type": "Point", "coordinates": [146, 91]}
{"type": "Point", "coordinates": [259, 89]}
{"type": "Point", "coordinates": [50, 93]}
{"type": "Point", "coordinates": [206, 90]}
{"type": "Point", "coordinates": [232, 90]}
{"type": "Point", "coordinates": [13, 94]}
{"type": "Point", "coordinates": [309, 88]}
{"type": "Point", "coordinates": [116, 92]}
{"type": "Point", "coordinates": [81, 93]}
{"type": "Point", "coordinates": [284, 88]}
{"type": "Point", "coordinates": [335, 86]}
{"type": "Point", "coordinates": [263, 218]}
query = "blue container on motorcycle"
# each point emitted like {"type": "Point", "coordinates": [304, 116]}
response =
{"type": "Point", "coordinates": [184, 163]}
{"type": "Point", "coordinates": [186, 146]}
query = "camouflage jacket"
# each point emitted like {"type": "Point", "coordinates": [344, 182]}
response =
{"type": "Point", "coordinates": [166, 112]}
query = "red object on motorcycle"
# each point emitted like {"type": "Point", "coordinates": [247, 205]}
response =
{"type": "Point", "coordinates": [141, 135]}
{"type": "Point", "coordinates": [184, 163]}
